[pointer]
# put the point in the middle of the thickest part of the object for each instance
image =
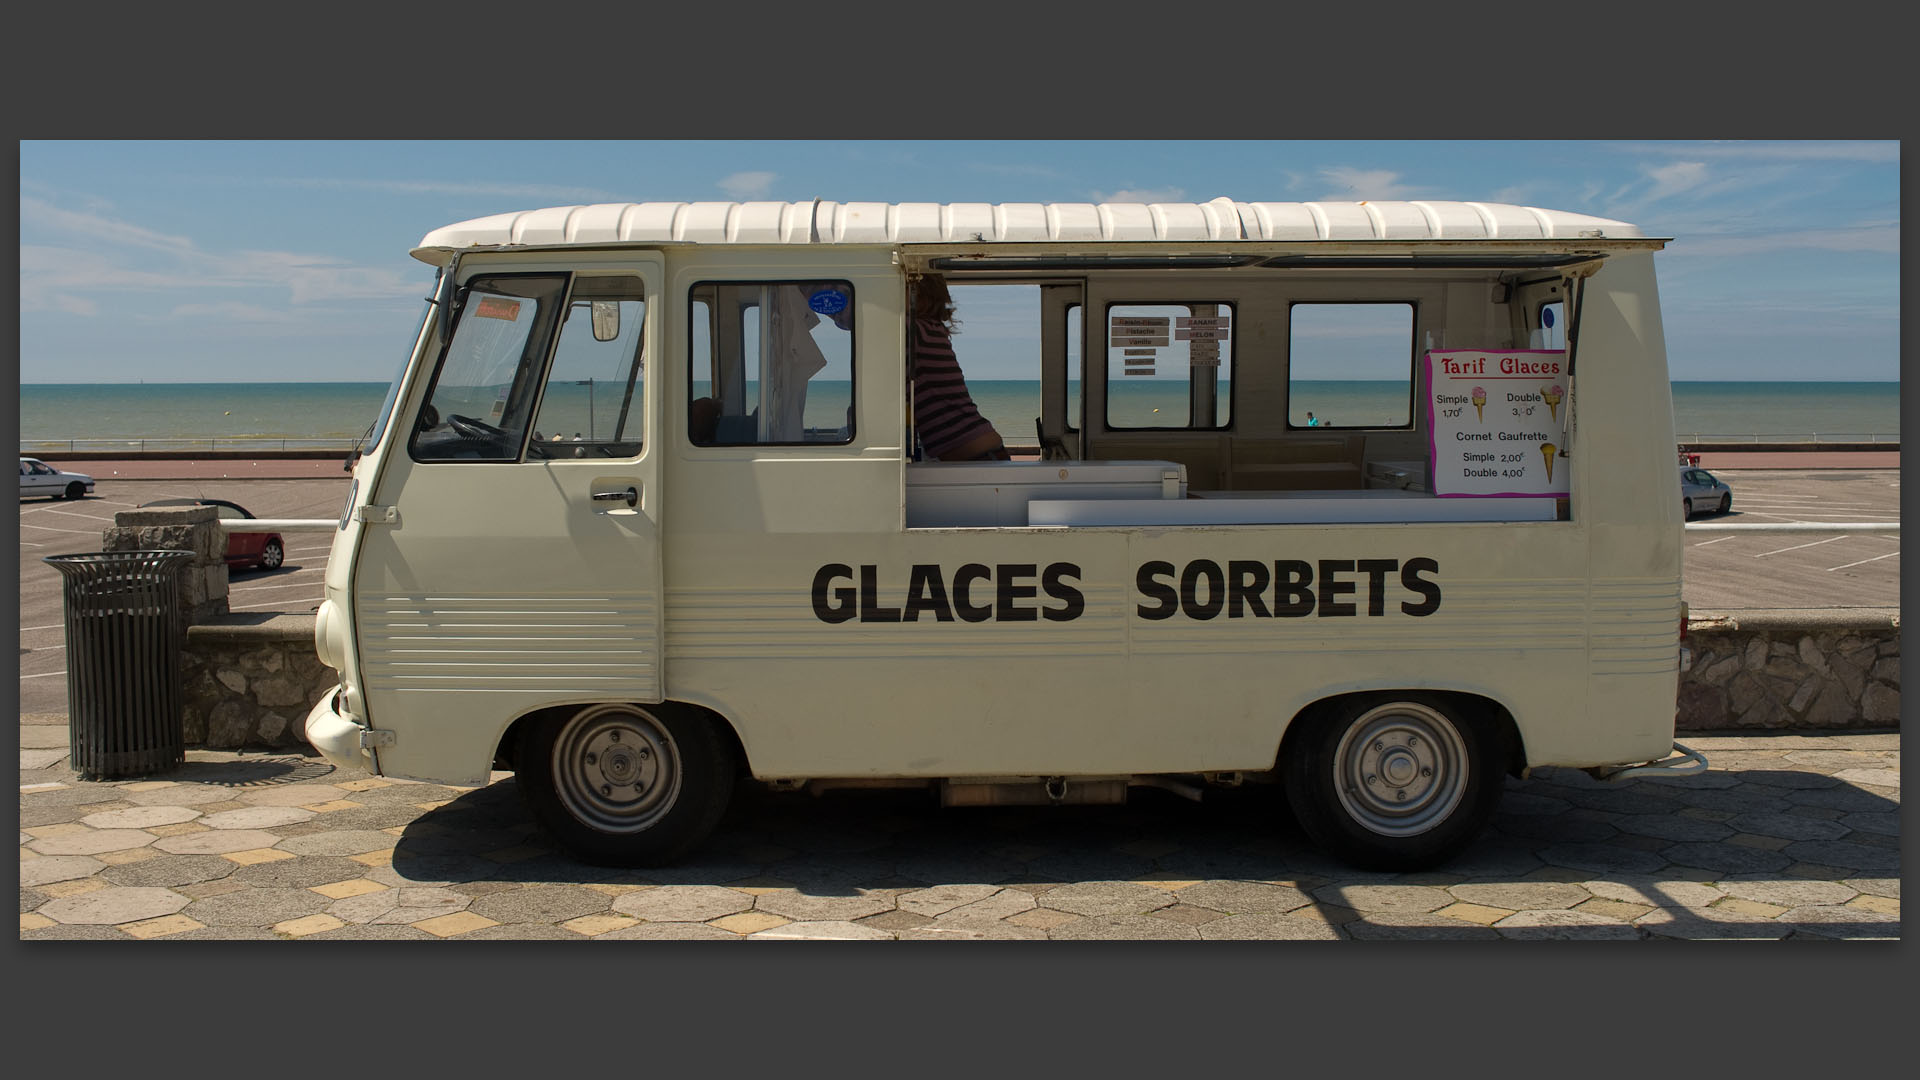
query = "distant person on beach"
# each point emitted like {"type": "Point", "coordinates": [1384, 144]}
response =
{"type": "Point", "coordinates": [948, 422]}
{"type": "Point", "coordinates": [1311, 422]}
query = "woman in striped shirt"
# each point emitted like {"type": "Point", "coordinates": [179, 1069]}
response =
{"type": "Point", "coordinates": [949, 425]}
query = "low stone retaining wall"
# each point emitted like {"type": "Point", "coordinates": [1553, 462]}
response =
{"type": "Point", "coordinates": [248, 681]}
{"type": "Point", "coordinates": [1814, 669]}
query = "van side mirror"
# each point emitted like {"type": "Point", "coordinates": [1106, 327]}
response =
{"type": "Point", "coordinates": [606, 319]}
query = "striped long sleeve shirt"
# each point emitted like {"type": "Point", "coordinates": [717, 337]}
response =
{"type": "Point", "coordinates": [943, 410]}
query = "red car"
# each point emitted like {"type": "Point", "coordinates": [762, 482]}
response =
{"type": "Point", "coordinates": [263, 549]}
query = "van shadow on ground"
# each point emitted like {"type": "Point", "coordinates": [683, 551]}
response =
{"type": "Point", "coordinates": [1686, 848]}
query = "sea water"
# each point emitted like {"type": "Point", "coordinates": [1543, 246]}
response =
{"type": "Point", "coordinates": [318, 410]}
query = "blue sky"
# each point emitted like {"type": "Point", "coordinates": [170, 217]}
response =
{"type": "Point", "coordinates": [287, 261]}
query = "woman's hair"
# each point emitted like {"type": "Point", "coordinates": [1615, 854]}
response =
{"type": "Point", "coordinates": [928, 298]}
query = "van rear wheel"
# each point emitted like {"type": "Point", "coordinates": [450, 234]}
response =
{"type": "Point", "coordinates": [626, 785]}
{"type": "Point", "coordinates": [1394, 782]}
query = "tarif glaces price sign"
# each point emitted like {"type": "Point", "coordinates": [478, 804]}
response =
{"type": "Point", "coordinates": [1498, 422]}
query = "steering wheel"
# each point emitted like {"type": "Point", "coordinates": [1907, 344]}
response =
{"type": "Point", "coordinates": [470, 428]}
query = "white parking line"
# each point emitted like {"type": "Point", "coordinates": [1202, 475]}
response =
{"type": "Point", "coordinates": [278, 605]}
{"type": "Point", "coordinates": [1797, 547]}
{"type": "Point", "coordinates": [49, 528]}
{"type": "Point", "coordinates": [43, 675]}
{"type": "Point", "coordinates": [49, 626]}
{"type": "Point", "coordinates": [1704, 543]}
{"type": "Point", "coordinates": [262, 588]}
{"type": "Point", "coordinates": [46, 648]}
{"type": "Point", "coordinates": [1876, 558]}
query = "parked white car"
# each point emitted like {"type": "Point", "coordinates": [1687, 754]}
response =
{"type": "Point", "coordinates": [39, 478]}
{"type": "Point", "coordinates": [1701, 492]}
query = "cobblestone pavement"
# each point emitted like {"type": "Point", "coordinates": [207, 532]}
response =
{"type": "Point", "coordinates": [1786, 837]}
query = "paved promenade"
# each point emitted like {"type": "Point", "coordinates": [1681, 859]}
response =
{"type": "Point", "coordinates": [1786, 837]}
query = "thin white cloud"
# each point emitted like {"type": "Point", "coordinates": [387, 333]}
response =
{"type": "Point", "coordinates": [76, 255]}
{"type": "Point", "coordinates": [235, 311]}
{"type": "Point", "coordinates": [544, 192]}
{"type": "Point", "coordinates": [1873, 153]}
{"type": "Point", "coordinates": [1142, 195]}
{"type": "Point", "coordinates": [746, 186]}
{"type": "Point", "coordinates": [1350, 183]}
{"type": "Point", "coordinates": [1881, 238]}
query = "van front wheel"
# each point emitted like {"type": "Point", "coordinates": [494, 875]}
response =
{"type": "Point", "coordinates": [1399, 782]}
{"type": "Point", "coordinates": [624, 785]}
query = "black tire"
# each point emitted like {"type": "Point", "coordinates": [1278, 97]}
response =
{"type": "Point", "coordinates": [626, 785]}
{"type": "Point", "coordinates": [272, 555]}
{"type": "Point", "coordinates": [1686, 509]}
{"type": "Point", "coordinates": [75, 490]}
{"type": "Point", "coordinates": [1450, 763]}
{"type": "Point", "coordinates": [1726, 503]}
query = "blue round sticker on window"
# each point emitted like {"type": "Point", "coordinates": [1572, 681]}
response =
{"type": "Point", "coordinates": [828, 301]}
{"type": "Point", "coordinates": [1546, 318]}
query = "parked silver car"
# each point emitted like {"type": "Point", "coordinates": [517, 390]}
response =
{"type": "Point", "coordinates": [39, 478]}
{"type": "Point", "coordinates": [1702, 492]}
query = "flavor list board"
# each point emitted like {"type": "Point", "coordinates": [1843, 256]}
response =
{"type": "Point", "coordinates": [1498, 421]}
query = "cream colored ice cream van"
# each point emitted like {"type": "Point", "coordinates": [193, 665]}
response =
{"type": "Point", "coordinates": [1370, 499]}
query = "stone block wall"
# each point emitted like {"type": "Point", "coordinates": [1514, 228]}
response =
{"type": "Point", "coordinates": [202, 582]}
{"type": "Point", "coordinates": [249, 681]}
{"type": "Point", "coordinates": [1823, 668]}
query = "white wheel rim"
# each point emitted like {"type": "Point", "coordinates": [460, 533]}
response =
{"type": "Point", "coordinates": [616, 769]}
{"type": "Point", "coordinates": [1401, 769]}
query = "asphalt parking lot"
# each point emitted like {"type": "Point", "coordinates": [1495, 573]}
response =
{"type": "Point", "coordinates": [1798, 570]}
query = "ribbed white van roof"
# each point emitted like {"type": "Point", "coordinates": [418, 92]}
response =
{"type": "Point", "coordinates": [822, 222]}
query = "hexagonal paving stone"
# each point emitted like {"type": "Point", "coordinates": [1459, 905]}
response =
{"type": "Point", "coordinates": [170, 871]}
{"type": "Point", "coordinates": [805, 907]}
{"type": "Point", "coordinates": [356, 932]}
{"type": "Point", "coordinates": [93, 842]}
{"type": "Point", "coordinates": [941, 899]}
{"type": "Point", "coordinates": [1602, 858]}
{"type": "Point", "coordinates": [346, 842]}
{"type": "Point", "coordinates": [1384, 927]}
{"type": "Point", "coordinates": [217, 842]}
{"type": "Point", "coordinates": [1849, 923]}
{"type": "Point", "coordinates": [1845, 854]}
{"type": "Point", "coordinates": [822, 930]}
{"type": "Point", "coordinates": [682, 903]}
{"type": "Point", "coordinates": [1727, 858]}
{"type": "Point", "coordinates": [140, 817]}
{"type": "Point", "coordinates": [1788, 826]}
{"type": "Point", "coordinates": [1889, 887]}
{"type": "Point", "coordinates": [1523, 895]}
{"type": "Point", "coordinates": [1270, 928]}
{"type": "Point", "coordinates": [256, 907]}
{"type": "Point", "coordinates": [52, 868]}
{"type": "Point", "coordinates": [1000, 905]}
{"type": "Point", "coordinates": [1245, 897]}
{"type": "Point", "coordinates": [1398, 899]}
{"type": "Point", "coordinates": [1108, 898]}
{"type": "Point", "coordinates": [1700, 924]}
{"type": "Point", "coordinates": [1564, 926]}
{"type": "Point", "coordinates": [1654, 892]}
{"type": "Point", "coordinates": [112, 906]}
{"type": "Point", "coordinates": [295, 795]}
{"type": "Point", "coordinates": [301, 873]}
{"type": "Point", "coordinates": [541, 904]}
{"type": "Point", "coordinates": [1125, 928]}
{"type": "Point", "coordinates": [1676, 827]}
{"type": "Point", "coordinates": [943, 930]}
{"type": "Point", "coordinates": [671, 931]}
{"type": "Point", "coordinates": [1790, 894]}
{"type": "Point", "coordinates": [257, 817]}
{"type": "Point", "coordinates": [1884, 823]}
{"type": "Point", "coordinates": [180, 795]}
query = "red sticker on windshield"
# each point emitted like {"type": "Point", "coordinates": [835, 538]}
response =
{"type": "Point", "coordinates": [492, 307]}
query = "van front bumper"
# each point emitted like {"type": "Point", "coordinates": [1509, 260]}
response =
{"type": "Point", "coordinates": [337, 737]}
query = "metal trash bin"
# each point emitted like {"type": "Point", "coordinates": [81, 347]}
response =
{"type": "Point", "coordinates": [124, 639]}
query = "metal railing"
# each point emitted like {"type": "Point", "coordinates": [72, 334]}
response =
{"type": "Point", "coordinates": [43, 447]}
{"type": "Point", "coordinates": [1791, 437]}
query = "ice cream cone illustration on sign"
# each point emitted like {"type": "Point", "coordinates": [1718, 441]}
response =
{"type": "Point", "coordinates": [1546, 455]}
{"type": "Point", "coordinates": [1551, 395]}
{"type": "Point", "coordinates": [1480, 402]}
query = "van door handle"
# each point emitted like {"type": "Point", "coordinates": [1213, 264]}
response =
{"type": "Point", "coordinates": [630, 496]}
